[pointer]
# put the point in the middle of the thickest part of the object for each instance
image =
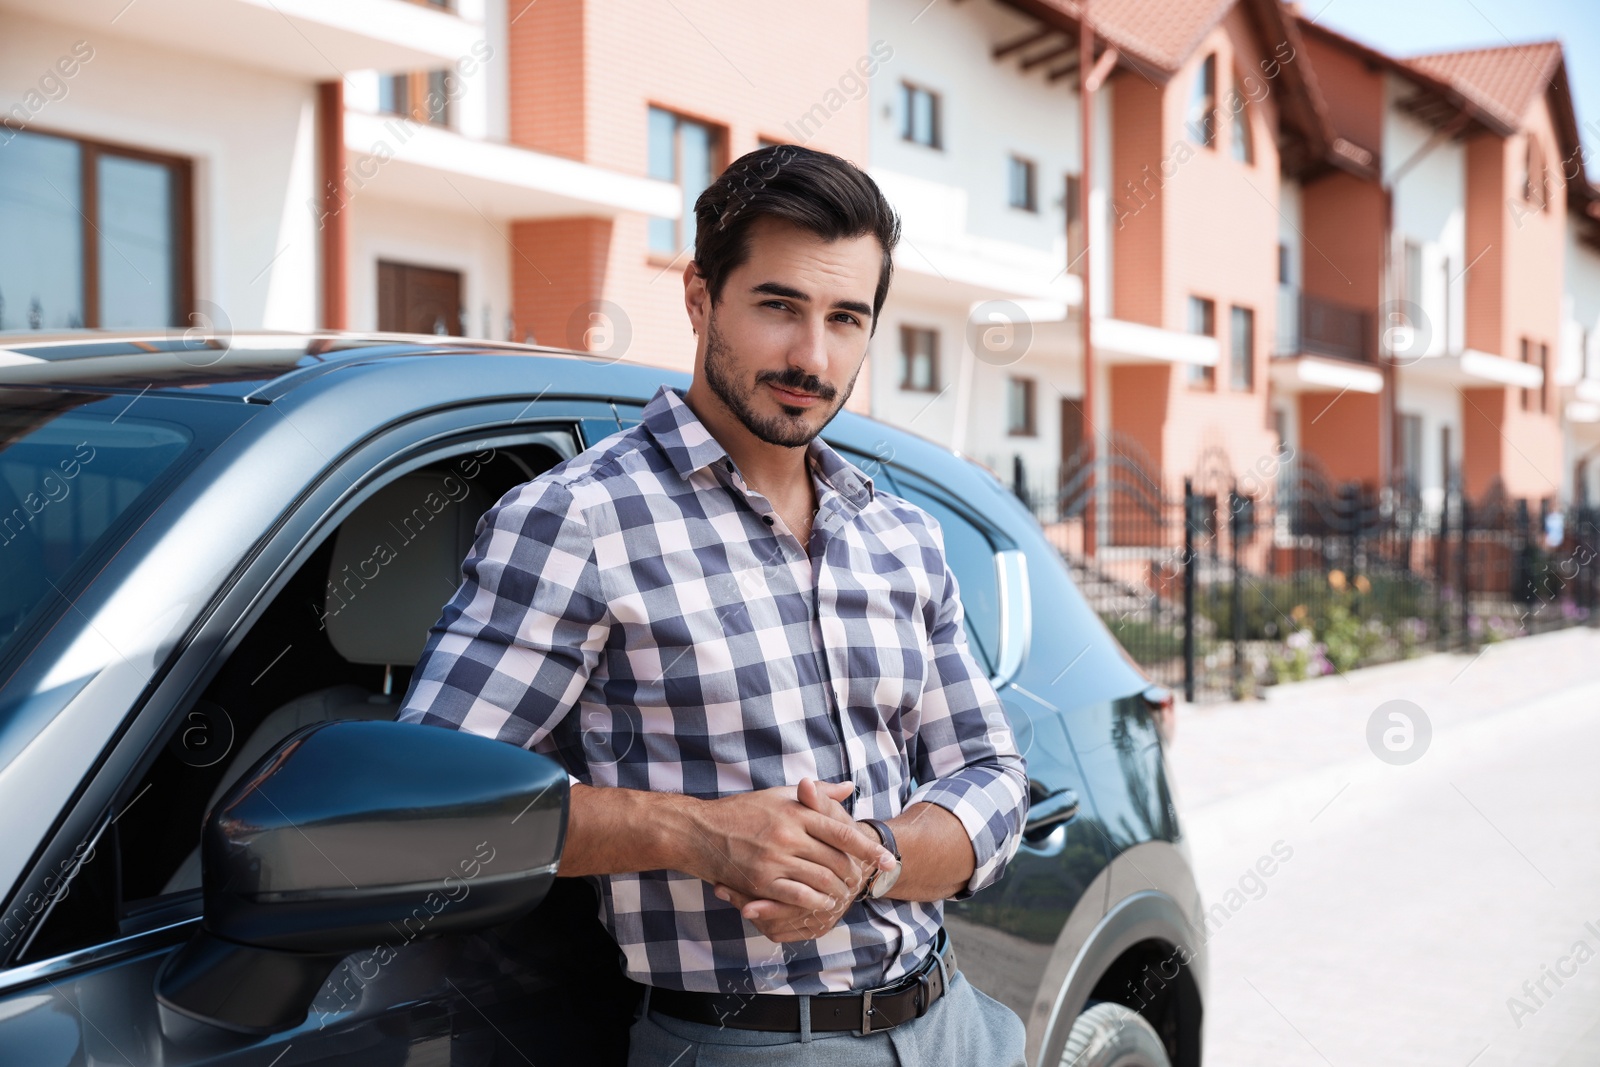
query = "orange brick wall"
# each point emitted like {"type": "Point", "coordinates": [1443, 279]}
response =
{"type": "Point", "coordinates": [547, 76]}
{"type": "Point", "coordinates": [1340, 432]}
{"type": "Point", "coordinates": [605, 63]}
{"type": "Point", "coordinates": [1513, 291]}
{"type": "Point", "coordinates": [1220, 239]}
{"type": "Point", "coordinates": [561, 265]}
{"type": "Point", "coordinates": [1138, 198]}
{"type": "Point", "coordinates": [1351, 87]}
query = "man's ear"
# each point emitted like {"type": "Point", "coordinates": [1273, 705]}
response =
{"type": "Point", "coordinates": [696, 297]}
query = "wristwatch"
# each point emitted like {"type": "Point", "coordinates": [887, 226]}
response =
{"type": "Point", "coordinates": [880, 881]}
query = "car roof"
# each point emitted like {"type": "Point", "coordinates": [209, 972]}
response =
{"type": "Point", "coordinates": [231, 366]}
{"type": "Point", "coordinates": [262, 366]}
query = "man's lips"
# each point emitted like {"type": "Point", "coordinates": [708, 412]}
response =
{"type": "Point", "coordinates": [789, 396]}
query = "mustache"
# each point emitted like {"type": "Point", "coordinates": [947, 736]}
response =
{"type": "Point", "coordinates": [798, 381]}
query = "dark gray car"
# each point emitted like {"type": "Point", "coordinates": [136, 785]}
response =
{"type": "Point", "coordinates": [219, 560]}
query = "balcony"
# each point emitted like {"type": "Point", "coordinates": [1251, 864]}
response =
{"type": "Point", "coordinates": [1313, 326]}
{"type": "Point", "coordinates": [318, 40]}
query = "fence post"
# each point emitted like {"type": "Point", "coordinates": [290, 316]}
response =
{"type": "Point", "coordinates": [1441, 615]}
{"type": "Point", "coordinates": [1188, 589]}
{"type": "Point", "coordinates": [1466, 582]}
{"type": "Point", "coordinates": [1236, 608]}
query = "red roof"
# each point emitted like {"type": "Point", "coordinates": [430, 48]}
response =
{"type": "Point", "coordinates": [1164, 32]}
{"type": "Point", "coordinates": [1501, 81]}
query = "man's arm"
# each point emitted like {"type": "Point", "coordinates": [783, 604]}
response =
{"type": "Point", "coordinates": [766, 843]}
{"type": "Point", "coordinates": [509, 658]}
{"type": "Point", "coordinates": [968, 765]}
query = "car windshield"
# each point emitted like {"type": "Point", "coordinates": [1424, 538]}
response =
{"type": "Point", "coordinates": [77, 472]}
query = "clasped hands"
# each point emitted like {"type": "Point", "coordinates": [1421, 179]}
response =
{"type": "Point", "coordinates": [790, 858]}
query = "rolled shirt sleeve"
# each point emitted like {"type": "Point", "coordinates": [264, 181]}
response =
{"type": "Point", "coordinates": [514, 647]}
{"type": "Point", "coordinates": [966, 759]}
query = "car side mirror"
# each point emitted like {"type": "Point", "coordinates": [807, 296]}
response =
{"type": "Point", "coordinates": [346, 833]}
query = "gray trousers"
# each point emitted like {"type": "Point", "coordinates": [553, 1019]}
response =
{"type": "Point", "coordinates": [964, 1028]}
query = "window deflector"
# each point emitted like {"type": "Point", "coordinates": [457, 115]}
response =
{"type": "Point", "coordinates": [1016, 614]}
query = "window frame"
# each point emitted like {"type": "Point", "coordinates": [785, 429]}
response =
{"type": "Point", "coordinates": [718, 136]}
{"type": "Point", "coordinates": [1241, 132]}
{"type": "Point", "coordinates": [1237, 360]}
{"type": "Point", "coordinates": [909, 91]}
{"type": "Point", "coordinates": [1030, 405]}
{"type": "Point", "coordinates": [908, 351]}
{"type": "Point", "coordinates": [182, 208]}
{"type": "Point", "coordinates": [1029, 171]}
{"type": "Point", "coordinates": [1201, 376]}
{"type": "Point", "coordinates": [1203, 98]}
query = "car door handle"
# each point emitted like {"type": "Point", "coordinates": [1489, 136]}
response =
{"type": "Point", "coordinates": [1049, 809]}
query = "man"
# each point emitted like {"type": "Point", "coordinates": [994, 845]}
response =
{"type": "Point", "coordinates": [740, 649]}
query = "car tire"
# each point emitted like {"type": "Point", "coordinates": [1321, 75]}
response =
{"type": "Point", "coordinates": [1111, 1035]}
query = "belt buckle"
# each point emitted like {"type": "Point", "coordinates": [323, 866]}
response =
{"type": "Point", "coordinates": [866, 1013]}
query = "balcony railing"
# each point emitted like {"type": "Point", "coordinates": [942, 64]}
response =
{"type": "Point", "coordinates": [1312, 325]}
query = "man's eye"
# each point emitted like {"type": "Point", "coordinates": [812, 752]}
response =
{"type": "Point", "coordinates": [846, 316]}
{"type": "Point", "coordinates": [775, 303]}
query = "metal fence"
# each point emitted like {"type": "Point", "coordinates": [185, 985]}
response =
{"type": "Point", "coordinates": [1220, 583]}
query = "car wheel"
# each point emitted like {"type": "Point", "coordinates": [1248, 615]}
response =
{"type": "Point", "coordinates": [1111, 1035]}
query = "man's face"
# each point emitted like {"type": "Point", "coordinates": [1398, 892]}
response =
{"type": "Point", "coordinates": [783, 346]}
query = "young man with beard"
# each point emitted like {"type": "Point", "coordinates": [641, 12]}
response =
{"type": "Point", "coordinates": [743, 653]}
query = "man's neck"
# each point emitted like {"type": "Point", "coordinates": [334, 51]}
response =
{"type": "Point", "coordinates": [776, 471]}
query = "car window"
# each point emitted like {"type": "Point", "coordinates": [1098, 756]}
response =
{"type": "Point", "coordinates": [74, 470]}
{"type": "Point", "coordinates": [328, 645]}
{"type": "Point", "coordinates": [970, 553]}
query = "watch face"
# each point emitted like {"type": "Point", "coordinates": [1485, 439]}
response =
{"type": "Point", "coordinates": [885, 880]}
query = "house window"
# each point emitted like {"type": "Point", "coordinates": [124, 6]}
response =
{"type": "Point", "coordinates": [1411, 451]}
{"type": "Point", "coordinates": [919, 115]}
{"type": "Point", "coordinates": [1283, 263]}
{"type": "Point", "coordinates": [919, 359]}
{"type": "Point", "coordinates": [1240, 142]}
{"type": "Point", "coordinates": [133, 270]}
{"type": "Point", "coordinates": [1242, 345]}
{"type": "Point", "coordinates": [1526, 354]}
{"type": "Point", "coordinates": [1535, 177]}
{"type": "Point", "coordinates": [1203, 321]}
{"type": "Point", "coordinates": [1021, 185]}
{"type": "Point", "coordinates": [688, 154]}
{"type": "Point", "coordinates": [422, 96]}
{"type": "Point", "coordinates": [1201, 121]}
{"type": "Point", "coordinates": [1020, 408]}
{"type": "Point", "coordinates": [1075, 238]}
{"type": "Point", "coordinates": [1544, 383]}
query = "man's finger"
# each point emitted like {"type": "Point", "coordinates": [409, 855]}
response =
{"type": "Point", "coordinates": [852, 840]}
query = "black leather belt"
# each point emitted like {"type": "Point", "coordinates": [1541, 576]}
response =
{"type": "Point", "coordinates": [867, 1011]}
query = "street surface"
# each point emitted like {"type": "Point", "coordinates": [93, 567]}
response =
{"type": "Point", "coordinates": [1443, 911]}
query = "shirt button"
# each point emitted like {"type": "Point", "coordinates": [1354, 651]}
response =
{"type": "Point", "coordinates": [767, 519]}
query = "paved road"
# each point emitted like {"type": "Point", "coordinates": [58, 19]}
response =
{"type": "Point", "coordinates": [1417, 898]}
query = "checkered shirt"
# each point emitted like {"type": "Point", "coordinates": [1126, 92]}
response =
{"type": "Point", "coordinates": [643, 617]}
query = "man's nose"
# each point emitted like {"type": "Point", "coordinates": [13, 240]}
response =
{"type": "Point", "coordinates": [810, 349]}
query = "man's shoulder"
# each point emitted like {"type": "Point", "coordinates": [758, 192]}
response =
{"type": "Point", "coordinates": [889, 512]}
{"type": "Point", "coordinates": [613, 466]}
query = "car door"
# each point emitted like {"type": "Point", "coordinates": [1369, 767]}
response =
{"type": "Point", "coordinates": [1013, 925]}
{"type": "Point", "coordinates": [77, 987]}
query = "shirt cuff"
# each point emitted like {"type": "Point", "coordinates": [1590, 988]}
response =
{"type": "Point", "coordinates": [990, 806]}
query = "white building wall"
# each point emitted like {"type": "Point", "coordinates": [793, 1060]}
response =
{"type": "Point", "coordinates": [1429, 209]}
{"type": "Point", "coordinates": [464, 242]}
{"type": "Point", "coordinates": [250, 136]}
{"type": "Point", "coordinates": [962, 243]}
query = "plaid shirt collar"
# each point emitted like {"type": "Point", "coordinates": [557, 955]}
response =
{"type": "Point", "coordinates": [689, 447]}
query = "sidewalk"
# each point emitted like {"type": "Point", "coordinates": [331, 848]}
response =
{"type": "Point", "coordinates": [1220, 750]}
{"type": "Point", "coordinates": [1415, 908]}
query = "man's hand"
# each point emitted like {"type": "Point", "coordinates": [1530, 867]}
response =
{"type": "Point", "coordinates": [779, 921]}
{"type": "Point", "coordinates": [791, 846]}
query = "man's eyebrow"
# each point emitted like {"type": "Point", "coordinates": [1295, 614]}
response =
{"type": "Point", "coordinates": [791, 293]}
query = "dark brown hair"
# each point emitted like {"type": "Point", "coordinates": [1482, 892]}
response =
{"type": "Point", "coordinates": [821, 193]}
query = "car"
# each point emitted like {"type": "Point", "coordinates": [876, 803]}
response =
{"type": "Point", "coordinates": [221, 557]}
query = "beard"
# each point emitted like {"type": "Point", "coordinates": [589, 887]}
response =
{"type": "Point", "coordinates": [792, 429]}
